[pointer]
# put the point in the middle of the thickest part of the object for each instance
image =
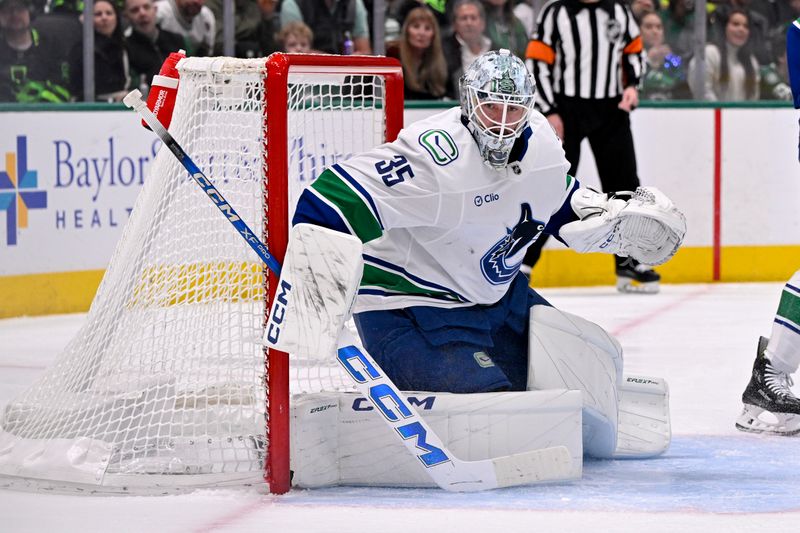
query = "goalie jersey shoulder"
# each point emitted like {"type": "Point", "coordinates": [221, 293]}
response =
{"type": "Point", "coordinates": [437, 149]}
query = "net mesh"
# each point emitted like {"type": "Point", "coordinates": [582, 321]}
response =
{"type": "Point", "coordinates": [316, 141]}
{"type": "Point", "coordinates": [168, 374]}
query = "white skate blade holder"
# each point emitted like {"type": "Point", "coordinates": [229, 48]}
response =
{"type": "Point", "coordinates": [631, 286]}
{"type": "Point", "coordinates": [756, 419]}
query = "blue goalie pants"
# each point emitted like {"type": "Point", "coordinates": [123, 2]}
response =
{"type": "Point", "coordinates": [481, 348]}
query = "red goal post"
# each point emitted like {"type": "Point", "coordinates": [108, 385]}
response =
{"type": "Point", "coordinates": [279, 68]}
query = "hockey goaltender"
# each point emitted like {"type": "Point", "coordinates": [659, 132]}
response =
{"type": "Point", "coordinates": [432, 229]}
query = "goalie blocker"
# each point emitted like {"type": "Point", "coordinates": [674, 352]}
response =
{"type": "Point", "coordinates": [318, 285]}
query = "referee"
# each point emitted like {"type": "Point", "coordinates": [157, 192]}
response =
{"type": "Point", "coordinates": [587, 60]}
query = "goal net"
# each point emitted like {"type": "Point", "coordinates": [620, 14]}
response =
{"type": "Point", "coordinates": [168, 385]}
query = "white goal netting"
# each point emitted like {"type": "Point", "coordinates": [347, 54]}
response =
{"type": "Point", "coordinates": [165, 386]}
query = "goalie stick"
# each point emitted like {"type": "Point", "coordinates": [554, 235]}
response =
{"type": "Point", "coordinates": [447, 471]}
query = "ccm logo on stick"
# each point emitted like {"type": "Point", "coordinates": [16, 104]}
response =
{"type": "Point", "coordinates": [215, 196]}
{"type": "Point", "coordinates": [278, 312]}
{"type": "Point", "coordinates": [386, 399]}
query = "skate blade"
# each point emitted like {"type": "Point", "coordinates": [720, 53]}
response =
{"type": "Point", "coordinates": [755, 419]}
{"type": "Point", "coordinates": [630, 286]}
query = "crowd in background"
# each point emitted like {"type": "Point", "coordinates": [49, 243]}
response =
{"type": "Point", "coordinates": [41, 46]}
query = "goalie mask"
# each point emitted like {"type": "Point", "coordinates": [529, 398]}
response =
{"type": "Point", "coordinates": [497, 95]}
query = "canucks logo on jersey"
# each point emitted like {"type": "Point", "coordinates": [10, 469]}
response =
{"type": "Point", "coordinates": [440, 145]}
{"type": "Point", "coordinates": [501, 263]}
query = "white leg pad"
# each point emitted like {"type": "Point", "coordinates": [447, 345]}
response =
{"type": "Point", "coordinates": [319, 281]}
{"type": "Point", "coordinates": [569, 352]}
{"type": "Point", "coordinates": [336, 440]}
{"type": "Point", "coordinates": [644, 423]}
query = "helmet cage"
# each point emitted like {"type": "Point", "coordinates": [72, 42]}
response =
{"type": "Point", "coordinates": [497, 118]}
{"type": "Point", "coordinates": [499, 115]}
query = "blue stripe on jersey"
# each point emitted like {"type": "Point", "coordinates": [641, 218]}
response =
{"type": "Point", "coordinates": [526, 136]}
{"type": "Point", "coordinates": [793, 60]}
{"type": "Point", "coordinates": [795, 289]}
{"type": "Point", "coordinates": [412, 277]}
{"type": "Point", "coordinates": [564, 215]}
{"type": "Point", "coordinates": [312, 210]}
{"type": "Point", "coordinates": [387, 294]}
{"type": "Point", "coordinates": [788, 325]}
{"type": "Point", "coordinates": [361, 190]}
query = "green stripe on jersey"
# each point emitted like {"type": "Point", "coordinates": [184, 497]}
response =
{"type": "Point", "coordinates": [377, 277]}
{"type": "Point", "coordinates": [569, 180]}
{"type": "Point", "coordinates": [789, 307]}
{"type": "Point", "coordinates": [352, 206]}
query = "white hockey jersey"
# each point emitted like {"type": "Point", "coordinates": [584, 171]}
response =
{"type": "Point", "coordinates": [439, 227]}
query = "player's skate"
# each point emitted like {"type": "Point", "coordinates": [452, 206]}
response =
{"type": "Point", "coordinates": [633, 276]}
{"type": "Point", "coordinates": [769, 405]}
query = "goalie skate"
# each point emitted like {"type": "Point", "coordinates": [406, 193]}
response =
{"type": "Point", "coordinates": [769, 405]}
{"type": "Point", "coordinates": [634, 277]}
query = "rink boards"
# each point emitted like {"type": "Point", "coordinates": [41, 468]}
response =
{"type": "Point", "coordinates": [67, 195]}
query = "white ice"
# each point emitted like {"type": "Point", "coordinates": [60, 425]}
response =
{"type": "Point", "coordinates": [701, 338]}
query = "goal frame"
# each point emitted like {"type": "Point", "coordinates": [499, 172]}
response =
{"type": "Point", "coordinates": [276, 172]}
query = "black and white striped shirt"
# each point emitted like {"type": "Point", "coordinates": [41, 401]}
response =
{"type": "Point", "coordinates": [585, 50]}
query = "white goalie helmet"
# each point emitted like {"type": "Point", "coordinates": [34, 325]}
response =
{"type": "Point", "coordinates": [497, 95]}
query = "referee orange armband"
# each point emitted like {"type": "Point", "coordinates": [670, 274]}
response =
{"type": "Point", "coordinates": [538, 51]}
{"type": "Point", "coordinates": [634, 47]}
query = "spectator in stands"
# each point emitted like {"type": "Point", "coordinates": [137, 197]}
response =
{"type": "Point", "coordinates": [148, 45]}
{"type": "Point", "coordinates": [731, 67]}
{"type": "Point", "coordinates": [33, 67]}
{"type": "Point", "coordinates": [466, 43]}
{"type": "Point", "coordinates": [678, 20]}
{"type": "Point", "coordinates": [269, 26]}
{"type": "Point", "coordinates": [779, 14]}
{"type": "Point", "coordinates": [665, 75]}
{"type": "Point", "coordinates": [254, 27]}
{"type": "Point", "coordinates": [440, 8]}
{"type": "Point", "coordinates": [504, 29]}
{"type": "Point", "coordinates": [775, 75]}
{"type": "Point", "coordinates": [191, 19]}
{"type": "Point", "coordinates": [420, 52]}
{"type": "Point", "coordinates": [526, 11]}
{"type": "Point", "coordinates": [62, 23]}
{"type": "Point", "coordinates": [640, 7]}
{"type": "Point", "coordinates": [296, 38]}
{"type": "Point", "coordinates": [759, 28]}
{"type": "Point", "coordinates": [333, 22]}
{"type": "Point", "coordinates": [111, 65]}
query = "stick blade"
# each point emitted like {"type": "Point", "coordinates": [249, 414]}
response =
{"type": "Point", "coordinates": [526, 468]}
{"type": "Point", "coordinates": [535, 466]}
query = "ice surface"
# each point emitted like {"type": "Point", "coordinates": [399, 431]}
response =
{"type": "Point", "coordinates": [701, 338]}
